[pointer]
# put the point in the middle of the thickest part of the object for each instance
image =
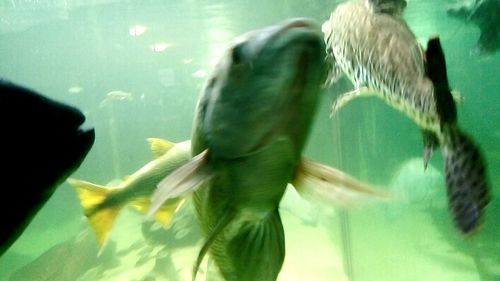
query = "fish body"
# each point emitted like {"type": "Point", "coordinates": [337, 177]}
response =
{"type": "Point", "coordinates": [42, 144]}
{"type": "Point", "coordinates": [251, 124]}
{"type": "Point", "coordinates": [379, 52]}
{"type": "Point", "coordinates": [102, 204]}
{"type": "Point", "coordinates": [253, 119]}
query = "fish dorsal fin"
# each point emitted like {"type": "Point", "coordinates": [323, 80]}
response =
{"type": "Point", "coordinates": [221, 225]}
{"type": "Point", "coordinates": [436, 72]}
{"type": "Point", "coordinates": [331, 186]}
{"type": "Point", "coordinates": [159, 146]}
{"type": "Point", "coordinates": [186, 179]}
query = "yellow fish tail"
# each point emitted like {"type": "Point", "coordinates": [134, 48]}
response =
{"type": "Point", "coordinates": [101, 215]}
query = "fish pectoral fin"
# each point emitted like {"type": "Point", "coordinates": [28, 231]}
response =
{"type": "Point", "coordinates": [457, 97]}
{"type": "Point", "coordinates": [219, 227]}
{"type": "Point", "coordinates": [345, 98]}
{"type": "Point", "coordinates": [92, 198]}
{"type": "Point", "coordinates": [431, 142]}
{"type": "Point", "coordinates": [166, 212]}
{"type": "Point", "coordinates": [185, 180]}
{"type": "Point", "coordinates": [318, 182]}
{"type": "Point", "coordinates": [159, 146]}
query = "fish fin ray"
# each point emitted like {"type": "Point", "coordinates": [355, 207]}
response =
{"type": "Point", "coordinates": [102, 223]}
{"type": "Point", "coordinates": [159, 146]}
{"type": "Point", "coordinates": [431, 142]}
{"type": "Point", "coordinates": [258, 249]}
{"type": "Point", "coordinates": [221, 225]}
{"type": "Point", "coordinates": [92, 198]}
{"type": "Point", "coordinates": [322, 183]}
{"type": "Point", "coordinates": [345, 98]}
{"type": "Point", "coordinates": [166, 212]}
{"type": "Point", "coordinates": [457, 97]}
{"type": "Point", "coordinates": [184, 180]}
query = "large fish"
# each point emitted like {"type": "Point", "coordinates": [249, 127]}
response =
{"type": "Point", "coordinates": [102, 204]}
{"type": "Point", "coordinates": [251, 124]}
{"type": "Point", "coordinates": [371, 43]}
{"type": "Point", "coordinates": [42, 144]}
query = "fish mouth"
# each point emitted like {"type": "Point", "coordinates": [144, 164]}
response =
{"type": "Point", "coordinates": [308, 39]}
{"type": "Point", "coordinates": [84, 139]}
{"type": "Point", "coordinates": [76, 147]}
{"type": "Point", "coordinates": [302, 51]}
{"type": "Point", "coordinates": [84, 135]}
{"type": "Point", "coordinates": [309, 50]}
{"type": "Point", "coordinates": [80, 139]}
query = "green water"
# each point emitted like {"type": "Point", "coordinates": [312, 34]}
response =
{"type": "Point", "coordinates": [79, 51]}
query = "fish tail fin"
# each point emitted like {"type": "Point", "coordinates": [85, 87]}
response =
{"type": "Point", "coordinates": [258, 250]}
{"type": "Point", "coordinates": [93, 198]}
{"type": "Point", "coordinates": [466, 180]}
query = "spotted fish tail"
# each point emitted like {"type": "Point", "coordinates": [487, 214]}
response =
{"type": "Point", "coordinates": [467, 187]}
{"type": "Point", "coordinates": [466, 181]}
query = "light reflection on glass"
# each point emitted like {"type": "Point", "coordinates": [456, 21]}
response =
{"type": "Point", "coordinates": [137, 30]}
{"type": "Point", "coordinates": [160, 47]}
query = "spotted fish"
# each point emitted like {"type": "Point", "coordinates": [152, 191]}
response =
{"type": "Point", "coordinates": [371, 43]}
{"type": "Point", "coordinates": [252, 122]}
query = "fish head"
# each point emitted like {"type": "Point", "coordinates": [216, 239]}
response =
{"type": "Point", "coordinates": [67, 140]}
{"type": "Point", "coordinates": [44, 130]}
{"type": "Point", "coordinates": [263, 77]}
{"type": "Point", "coordinates": [42, 144]}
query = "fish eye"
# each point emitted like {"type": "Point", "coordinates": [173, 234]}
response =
{"type": "Point", "coordinates": [237, 55]}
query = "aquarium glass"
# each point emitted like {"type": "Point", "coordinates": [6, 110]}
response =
{"type": "Point", "coordinates": [136, 69]}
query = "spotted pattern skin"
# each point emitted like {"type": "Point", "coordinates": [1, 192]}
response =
{"type": "Point", "coordinates": [375, 48]}
{"type": "Point", "coordinates": [390, 61]}
{"type": "Point", "coordinates": [468, 189]}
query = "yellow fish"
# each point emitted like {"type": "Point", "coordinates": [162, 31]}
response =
{"type": "Point", "coordinates": [102, 204]}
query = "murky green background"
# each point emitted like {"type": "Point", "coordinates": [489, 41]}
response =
{"type": "Point", "coordinates": [79, 51]}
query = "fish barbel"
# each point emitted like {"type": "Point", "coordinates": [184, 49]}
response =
{"type": "Point", "coordinates": [371, 43]}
